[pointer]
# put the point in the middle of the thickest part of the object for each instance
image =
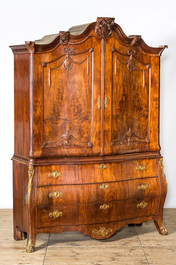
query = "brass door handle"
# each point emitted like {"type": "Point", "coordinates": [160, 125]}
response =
{"type": "Point", "coordinates": [104, 207]}
{"type": "Point", "coordinates": [99, 103]}
{"type": "Point", "coordinates": [143, 186]}
{"type": "Point", "coordinates": [102, 166]}
{"type": "Point", "coordinates": [104, 186]}
{"type": "Point", "coordinates": [55, 214]}
{"type": "Point", "coordinates": [55, 174]}
{"type": "Point", "coordinates": [142, 205]}
{"type": "Point", "coordinates": [55, 194]}
{"type": "Point", "coordinates": [106, 102]}
{"type": "Point", "coordinates": [141, 168]}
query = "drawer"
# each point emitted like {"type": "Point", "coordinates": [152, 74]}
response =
{"type": "Point", "coordinates": [69, 174]}
{"type": "Point", "coordinates": [95, 193]}
{"type": "Point", "coordinates": [54, 216]}
{"type": "Point", "coordinates": [118, 210]}
{"type": "Point", "coordinates": [131, 169]}
{"type": "Point", "coordinates": [93, 173]}
{"type": "Point", "coordinates": [97, 213]}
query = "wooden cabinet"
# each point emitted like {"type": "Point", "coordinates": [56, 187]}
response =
{"type": "Point", "coordinates": [87, 154]}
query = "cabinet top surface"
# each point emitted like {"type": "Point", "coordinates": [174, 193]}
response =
{"type": "Point", "coordinates": [102, 28]}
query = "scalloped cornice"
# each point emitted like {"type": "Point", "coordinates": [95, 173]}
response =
{"type": "Point", "coordinates": [103, 28]}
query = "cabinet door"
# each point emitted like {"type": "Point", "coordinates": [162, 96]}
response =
{"type": "Point", "coordinates": [128, 89]}
{"type": "Point", "coordinates": [71, 118]}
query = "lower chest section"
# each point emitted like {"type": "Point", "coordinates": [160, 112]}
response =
{"type": "Point", "coordinates": [96, 193]}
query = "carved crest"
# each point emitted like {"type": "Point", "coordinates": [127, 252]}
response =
{"type": "Point", "coordinates": [64, 37]}
{"type": "Point", "coordinates": [103, 26]}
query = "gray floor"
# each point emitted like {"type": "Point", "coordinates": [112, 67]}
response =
{"type": "Point", "coordinates": [131, 245]}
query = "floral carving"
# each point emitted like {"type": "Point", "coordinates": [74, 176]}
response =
{"type": "Point", "coordinates": [103, 26]}
{"type": "Point", "coordinates": [130, 63]}
{"type": "Point", "coordinates": [102, 232]}
{"type": "Point", "coordinates": [68, 64]}
{"type": "Point", "coordinates": [64, 37]}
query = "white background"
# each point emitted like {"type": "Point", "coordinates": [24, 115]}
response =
{"type": "Point", "coordinates": [22, 20]}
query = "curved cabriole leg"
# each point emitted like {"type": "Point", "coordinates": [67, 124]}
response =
{"type": "Point", "coordinates": [159, 222]}
{"type": "Point", "coordinates": [30, 245]}
{"type": "Point", "coordinates": [161, 227]}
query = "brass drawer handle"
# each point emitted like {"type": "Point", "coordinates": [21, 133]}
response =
{"type": "Point", "coordinates": [104, 186]}
{"type": "Point", "coordinates": [143, 186]}
{"type": "Point", "coordinates": [141, 168]}
{"type": "Point", "coordinates": [104, 206]}
{"type": "Point", "coordinates": [55, 194]}
{"type": "Point", "coordinates": [142, 205]}
{"type": "Point", "coordinates": [56, 214]}
{"type": "Point", "coordinates": [102, 166]}
{"type": "Point", "coordinates": [55, 174]}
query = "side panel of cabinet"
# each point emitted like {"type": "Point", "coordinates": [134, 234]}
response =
{"type": "Point", "coordinates": [21, 104]}
{"type": "Point", "coordinates": [131, 88]}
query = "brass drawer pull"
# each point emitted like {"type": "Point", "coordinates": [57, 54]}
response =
{"type": "Point", "coordinates": [104, 186]}
{"type": "Point", "coordinates": [142, 205]}
{"type": "Point", "coordinates": [55, 174]}
{"type": "Point", "coordinates": [104, 206]}
{"type": "Point", "coordinates": [143, 186]}
{"type": "Point", "coordinates": [141, 168]}
{"type": "Point", "coordinates": [55, 194]}
{"type": "Point", "coordinates": [102, 166]}
{"type": "Point", "coordinates": [56, 214]}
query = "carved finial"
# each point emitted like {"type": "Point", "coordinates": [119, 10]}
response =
{"type": "Point", "coordinates": [136, 39]}
{"type": "Point", "coordinates": [103, 26]}
{"type": "Point", "coordinates": [163, 47]}
{"type": "Point", "coordinates": [64, 37]}
{"type": "Point", "coordinates": [30, 46]}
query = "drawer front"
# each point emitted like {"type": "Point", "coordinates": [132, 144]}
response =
{"type": "Point", "coordinates": [118, 210]}
{"type": "Point", "coordinates": [95, 193]}
{"type": "Point", "coordinates": [54, 216]}
{"type": "Point", "coordinates": [102, 172]}
{"type": "Point", "coordinates": [97, 213]}
{"type": "Point", "coordinates": [69, 174]}
{"type": "Point", "coordinates": [131, 169]}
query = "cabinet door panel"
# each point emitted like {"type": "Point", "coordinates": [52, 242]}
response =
{"type": "Point", "coordinates": [128, 118]}
{"type": "Point", "coordinates": [70, 92]}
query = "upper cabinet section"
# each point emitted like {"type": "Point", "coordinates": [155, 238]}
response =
{"type": "Point", "coordinates": [93, 91]}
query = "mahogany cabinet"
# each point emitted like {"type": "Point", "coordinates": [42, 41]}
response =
{"type": "Point", "coordinates": [87, 153]}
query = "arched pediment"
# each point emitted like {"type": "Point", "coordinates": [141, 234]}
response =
{"type": "Point", "coordinates": [103, 28]}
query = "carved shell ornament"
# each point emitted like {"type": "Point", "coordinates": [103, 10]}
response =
{"type": "Point", "coordinates": [103, 26]}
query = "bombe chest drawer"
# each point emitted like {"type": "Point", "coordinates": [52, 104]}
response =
{"type": "Point", "coordinates": [87, 155]}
